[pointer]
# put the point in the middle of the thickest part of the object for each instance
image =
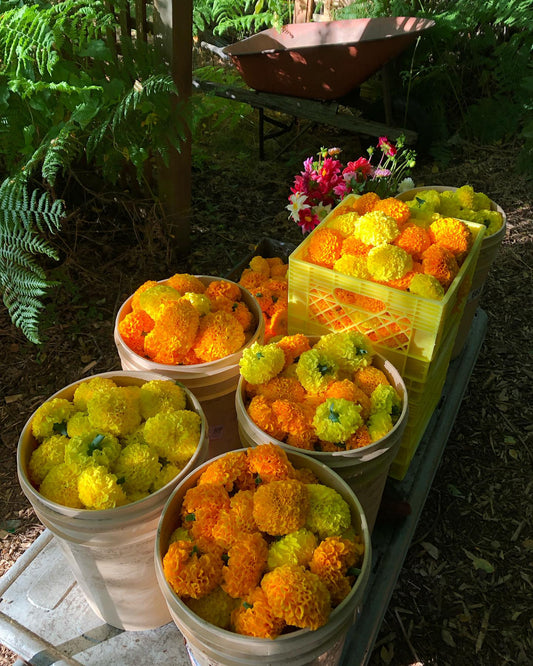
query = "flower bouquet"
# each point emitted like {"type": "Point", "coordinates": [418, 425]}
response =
{"type": "Point", "coordinates": [325, 182]}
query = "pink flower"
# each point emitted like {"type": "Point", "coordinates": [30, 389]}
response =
{"type": "Point", "coordinates": [360, 170]}
{"type": "Point", "coordinates": [386, 146]}
{"type": "Point", "coordinates": [307, 220]}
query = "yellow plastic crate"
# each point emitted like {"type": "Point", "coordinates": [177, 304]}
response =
{"type": "Point", "coordinates": [405, 328]}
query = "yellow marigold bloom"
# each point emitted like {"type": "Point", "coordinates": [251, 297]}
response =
{"type": "Point", "coordinates": [260, 363]}
{"type": "Point", "coordinates": [186, 283]}
{"type": "Point", "coordinates": [353, 265]}
{"type": "Point", "coordinates": [293, 347]}
{"type": "Point", "coordinates": [297, 596]}
{"type": "Point", "coordinates": [270, 463]}
{"type": "Point", "coordinates": [200, 302]}
{"type": "Point", "coordinates": [260, 265]}
{"type": "Point", "coordinates": [79, 424]}
{"type": "Point", "coordinates": [135, 305]}
{"type": "Point", "coordinates": [365, 203]}
{"type": "Point", "coordinates": [294, 548]}
{"type": "Point", "coordinates": [355, 246]}
{"type": "Point", "coordinates": [251, 279]}
{"type": "Point", "coordinates": [174, 332]}
{"type": "Point", "coordinates": [394, 208]}
{"type": "Point", "coordinates": [247, 559]}
{"type": "Point", "coordinates": [202, 506]}
{"type": "Point", "coordinates": [219, 335]}
{"type": "Point", "coordinates": [161, 395]}
{"type": "Point", "coordinates": [360, 438]}
{"type": "Point", "coordinates": [440, 262]}
{"type": "Point", "coordinates": [174, 435]}
{"type": "Point", "coordinates": [85, 390]}
{"type": "Point", "coordinates": [350, 350]}
{"type": "Point", "coordinates": [328, 514]}
{"type": "Point", "coordinates": [281, 388]}
{"type": "Point", "coordinates": [386, 399]}
{"type": "Point", "coordinates": [92, 449]}
{"type": "Point", "coordinates": [344, 222]}
{"type": "Point", "coordinates": [376, 228]}
{"type": "Point", "coordinates": [136, 436]}
{"type": "Point", "coordinates": [215, 607]}
{"type": "Point", "coordinates": [225, 288]}
{"type": "Point", "coordinates": [115, 411]}
{"type": "Point", "coordinates": [388, 262]}
{"type": "Point", "coordinates": [281, 507]}
{"type": "Point", "coordinates": [481, 201]}
{"type": "Point", "coordinates": [98, 489]}
{"type": "Point", "coordinates": [348, 390]}
{"type": "Point", "coordinates": [464, 196]}
{"type": "Point", "coordinates": [189, 572]}
{"type": "Point", "coordinates": [325, 247]}
{"type": "Point", "coordinates": [379, 425]}
{"type": "Point", "coordinates": [254, 617]}
{"type": "Point", "coordinates": [337, 419]}
{"type": "Point", "coordinates": [164, 476]}
{"type": "Point", "coordinates": [230, 471]}
{"type": "Point", "coordinates": [48, 454]}
{"type": "Point", "coordinates": [50, 417]}
{"type": "Point", "coordinates": [261, 412]}
{"type": "Point", "coordinates": [242, 509]}
{"type": "Point", "coordinates": [414, 239]}
{"type": "Point", "coordinates": [427, 286]}
{"type": "Point", "coordinates": [316, 369]}
{"type": "Point", "coordinates": [60, 485]}
{"type": "Point", "coordinates": [452, 234]}
{"type": "Point", "coordinates": [153, 298]}
{"type": "Point", "coordinates": [369, 377]}
{"type": "Point", "coordinates": [134, 328]}
{"type": "Point", "coordinates": [138, 466]}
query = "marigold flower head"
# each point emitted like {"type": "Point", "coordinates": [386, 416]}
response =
{"type": "Point", "coordinates": [359, 439]}
{"type": "Point", "coordinates": [368, 377]}
{"type": "Point", "coordinates": [293, 346]}
{"type": "Point", "coordinates": [215, 607]}
{"type": "Point", "coordinates": [230, 471]}
{"type": "Point", "coordinates": [414, 239]}
{"type": "Point", "coordinates": [325, 247]}
{"type": "Point", "coordinates": [138, 465]}
{"type": "Point", "coordinates": [189, 572]}
{"type": "Point", "coordinates": [270, 463]}
{"type": "Point", "coordinates": [365, 203]}
{"type": "Point", "coordinates": [254, 617]}
{"type": "Point", "coordinates": [200, 302]}
{"type": "Point", "coordinates": [161, 395]}
{"type": "Point", "coordinates": [92, 449]}
{"type": "Point", "coordinates": [202, 506]}
{"type": "Point", "coordinates": [464, 195]}
{"type": "Point", "coordinates": [316, 369]}
{"type": "Point", "coordinates": [281, 507]}
{"type": "Point", "coordinates": [328, 514]}
{"type": "Point", "coordinates": [388, 262]}
{"type": "Point", "coordinates": [376, 228]}
{"type": "Point", "coordinates": [452, 234]}
{"type": "Point", "coordinates": [276, 324]}
{"type": "Point", "coordinates": [174, 332]}
{"type": "Point", "coordinates": [85, 390]}
{"type": "Point", "coordinates": [352, 265]}
{"type": "Point", "coordinates": [219, 335]}
{"type": "Point", "coordinates": [184, 283]}
{"type": "Point", "coordinates": [49, 453]}
{"type": "Point", "coordinates": [60, 485]}
{"type": "Point", "coordinates": [348, 390]}
{"type": "Point", "coordinates": [174, 435]}
{"type": "Point", "coordinates": [79, 424]}
{"type": "Point", "coordinates": [427, 286]}
{"type": "Point", "coordinates": [264, 297]}
{"type": "Point", "coordinates": [164, 476]}
{"type": "Point", "coordinates": [260, 363]}
{"type": "Point", "coordinates": [379, 425]}
{"type": "Point", "coordinates": [242, 510]}
{"type": "Point", "coordinates": [135, 305]}
{"type": "Point", "coordinates": [243, 315]}
{"type": "Point", "coordinates": [251, 279]}
{"type": "Point", "coordinates": [261, 413]}
{"type": "Point", "coordinates": [115, 411]}
{"type": "Point", "coordinates": [336, 419]}
{"type": "Point", "coordinates": [247, 560]}
{"type": "Point", "coordinates": [355, 246]}
{"type": "Point", "coordinates": [293, 548]}
{"type": "Point", "coordinates": [50, 416]}
{"type": "Point", "coordinates": [225, 288]}
{"type": "Point", "coordinates": [297, 596]}
{"type": "Point", "coordinates": [281, 388]}
{"type": "Point", "coordinates": [344, 222]}
{"type": "Point", "coordinates": [98, 488]}
{"type": "Point", "coordinates": [153, 298]}
{"type": "Point", "coordinates": [385, 398]}
{"type": "Point", "coordinates": [334, 555]}
{"type": "Point", "coordinates": [134, 328]}
{"type": "Point", "coordinates": [440, 262]}
{"type": "Point", "coordinates": [351, 350]}
{"type": "Point", "coordinates": [394, 208]}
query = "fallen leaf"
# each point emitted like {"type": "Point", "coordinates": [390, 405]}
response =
{"type": "Point", "coordinates": [431, 550]}
{"type": "Point", "coordinates": [480, 563]}
{"type": "Point", "coordinates": [447, 638]}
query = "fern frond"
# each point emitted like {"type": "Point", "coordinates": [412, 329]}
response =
{"type": "Point", "coordinates": [18, 208]}
{"type": "Point", "coordinates": [62, 152]}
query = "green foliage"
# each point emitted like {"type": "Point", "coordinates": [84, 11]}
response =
{"type": "Point", "coordinates": [239, 18]}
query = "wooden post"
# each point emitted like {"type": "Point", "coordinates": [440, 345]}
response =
{"type": "Point", "coordinates": [303, 11]}
{"type": "Point", "coordinates": [173, 30]}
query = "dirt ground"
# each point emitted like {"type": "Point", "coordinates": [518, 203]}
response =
{"type": "Point", "coordinates": [448, 607]}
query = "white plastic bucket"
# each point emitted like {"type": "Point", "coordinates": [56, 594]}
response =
{"type": "Point", "coordinates": [213, 383]}
{"type": "Point", "coordinates": [365, 469]}
{"type": "Point", "coordinates": [211, 646]}
{"type": "Point", "coordinates": [111, 551]}
{"type": "Point", "coordinates": [487, 254]}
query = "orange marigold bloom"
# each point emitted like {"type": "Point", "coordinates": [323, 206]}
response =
{"type": "Point", "coordinates": [394, 208]}
{"type": "Point", "coordinates": [369, 378]}
{"type": "Point", "coordinates": [135, 298]}
{"type": "Point", "coordinates": [452, 234]}
{"type": "Point", "coordinates": [189, 573]}
{"type": "Point", "coordinates": [360, 438]}
{"type": "Point", "coordinates": [404, 282]}
{"type": "Point", "coordinates": [173, 333]}
{"type": "Point", "coordinates": [413, 239]}
{"type": "Point", "coordinates": [298, 596]}
{"type": "Point", "coordinates": [353, 245]}
{"type": "Point", "coordinates": [242, 508]}
{"type": "Point", "coordinates": [185, 283]}
{"type": "Point", "coordinates": [201, 507]}
{"type": "Point", "coordinates": [441, 263]}
{"type": "Point", "coordinates": [295, 419]}
{"type": "Point", "coordinates": [279, 270]}
{"type": "Point", "coordinates": [230, 471]}
{"type": "Point", "coordinates": [276, 322]}
{"type": "Point", "coordinates": [221, 302]}
{"type": "Point", "coordinates": [260, 411]}
{"type": "Point", "coordinates": [306, 475]}
{"type": "Point", "coordinates": [365, 203]}
{"type": "Point", "coordinates": [246, 564]}
{"type": "Point", "coordinates": [263, 296]}
{"type": "Point", "coordinates": [270, 463]}
{"type": "Point", "coordinates": [251, 279]}
{"type": "Point", "coordinates": [331, 561]}
{"type": "Point", "coordinates": [278, 286]}
{"type": "Point", "coordinates": [350, 391]}
{"type": "Point", "coordinates": [243, 315]}
{"type": "Point", "coordinates": [364, 302]}
{"type": "Point", "coordinates": [260, 265]}
{"type": "Point", "coordinates": [281, 507]}
{"type": "Point", "coordinates": [219, 335]}
{"type": "Point", "coordinates": [134, 328]}
{"type": "Point", "coordinates": [282, 388]}
{"type": "Point", "coordinates": [325, 247]}
{"type": "Point", "coordinates": [254, 617]}
{"type": "Point", "coordinates": [224, 288]}
{"type": "Point", "coordinates": [225, 531]}
{"type": "Point", "coordinates": [293, 347]}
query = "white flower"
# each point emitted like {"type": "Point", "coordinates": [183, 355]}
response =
{"type": "Point", "coordinates": [321, 211]}
{"type": "Point", "coordinates": [297, 203]}
{"type": "Point", "coordinates": [406, 184]}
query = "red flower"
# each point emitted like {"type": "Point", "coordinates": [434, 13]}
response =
{"type": "Point", "coordinates": [360, 170]}
{"type": "Point", "coordinates": [386, 146]}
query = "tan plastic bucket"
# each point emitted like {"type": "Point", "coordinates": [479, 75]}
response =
{"type": "Point", "coordinates": [111, 552]}
{"type": "Point", "coordinates": [487, 254]}
{"type": "Point", "coordinates": [211, 646]}
{"type": "Point", "coordinates": [365, 469]}
{"type": "Point", "coordinates": [213, 383]}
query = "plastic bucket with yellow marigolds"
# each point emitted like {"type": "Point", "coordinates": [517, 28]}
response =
{"type": "Point", "coordinates": [364, 469]}
{"type": "Point", "coordinates": [90, 461]}
{"type": "Point", "coordinates": [213, 382]}
{"type": "Point", "coordinates": [227, 626]}
{"type": "Point", "coordinates": [495, 219]}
